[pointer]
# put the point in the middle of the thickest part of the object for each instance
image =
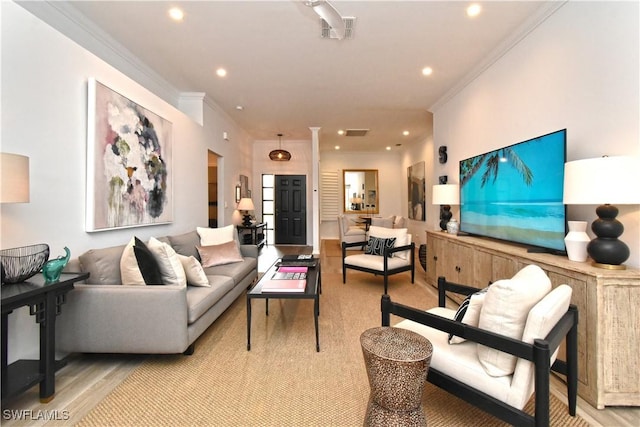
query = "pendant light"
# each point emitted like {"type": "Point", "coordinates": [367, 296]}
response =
{"type": "Point", "coordinates": [280, 155]}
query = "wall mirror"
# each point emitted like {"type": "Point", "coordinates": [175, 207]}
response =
{"type": "Point", "coordinates": [360, 191]}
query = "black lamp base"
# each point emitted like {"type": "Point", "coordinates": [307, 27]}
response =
{"type": "Point", "coordinates": [606, 250]}
{"type": "Point", "coordinates": [445, 216]}
{"type": "Point", "coordinates": [246, 220]}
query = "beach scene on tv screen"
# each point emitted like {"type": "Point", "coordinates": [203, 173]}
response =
{"type": "Point", "coordinates": [515, 193]}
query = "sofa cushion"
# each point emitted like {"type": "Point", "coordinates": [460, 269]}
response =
{"type": "Point", "coordinates": [185, 244]}
{"type": "Point", "coordinates": [215, 236]}
{"type": "Point", "coordinates": [170, 266]}
{"type": "Point", "coordinates": [219, 254]}
{"type": "Point", "coordinates": [130, 271]}
{"type": "Point", "coordinates": [103, 265]}
{"type": "Point", "coordinates": [194, 271]}
{"type": "Point", "coordinates": [147, 263]}
{"type": "Point", "coordinates": [200, 299]}
{"type": "Point", "coordinates": [236, 270]}
{"type": "Point", "coordinates": [505, 310]}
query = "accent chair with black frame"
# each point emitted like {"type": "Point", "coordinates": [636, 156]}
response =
{"type": "Point", "coordinates": [387, 251]}
{"type": "Point", "coordinates": [457, 368]}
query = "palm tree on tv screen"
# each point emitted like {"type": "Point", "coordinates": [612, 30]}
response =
{"type": "Point", "coordinates": [492, 160]}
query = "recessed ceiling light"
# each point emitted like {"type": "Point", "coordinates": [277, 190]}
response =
{"type": "Point", "coordinates": [176, 14]}
{"type": "Point", "coordinates": [239, 107]}
{"type": "Point", "coordinates": [474, 10]}
{"type": "Point", "coordinates": [405, 133]}
{"type": "Point", "coordinates": [341, 132]}
{"type": "Point", "coordinates": [427, 71]}
{"type": "Point", "coordinates": [388, 148]}
{"type": "Point", "coordinates": [337, 147]}
{"type": "Point", "coordinates": [221, 72]}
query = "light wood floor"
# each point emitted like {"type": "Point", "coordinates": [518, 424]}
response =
{"type": "Point", "coordinates": [87, 379]}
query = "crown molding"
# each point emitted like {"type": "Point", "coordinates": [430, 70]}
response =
{"type": "Point", "coordinates": [540, 16]}
{"type": "Point", "coordinates": [66, 19]}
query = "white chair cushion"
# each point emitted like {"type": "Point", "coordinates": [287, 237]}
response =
{"type": "Point", "coordinates": [505, 310]}
{"type": "Point", "coordinates": [355, 231]}
{"type": "Point", "coordinates": [383, 222]}
{"type": "Point", "coordinates": [374, 262]}
{"type": "Point", "coordinates": [402, 238]}
{"type": "Point", "coordinates": [472, 305]}
{"type": "Point", "coordinates": [542, 318]}
{"type": "Point", "coordinates": [459, 361]}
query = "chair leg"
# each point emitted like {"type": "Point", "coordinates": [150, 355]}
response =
{"type": "Point", "coordinates": [344, 274]}
{"type": "Point", "coordinates": [572, 365]}
{"type": "Point", "coordinates": [386, 283]}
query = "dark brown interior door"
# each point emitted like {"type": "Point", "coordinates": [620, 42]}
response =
{"type": "Point", "coordinates": [291, 210]}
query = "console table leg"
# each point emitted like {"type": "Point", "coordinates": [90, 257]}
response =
{"type": "Point", "coordinates": [248, 324]}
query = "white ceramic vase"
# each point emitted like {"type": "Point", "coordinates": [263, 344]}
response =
{"type": "Point", "coordinates": [576, 241]}
{"type": "Point", "coordinates": [453, 226]}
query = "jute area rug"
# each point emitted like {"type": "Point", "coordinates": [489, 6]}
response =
{"type": "Point", "coordinates": [283, 381]}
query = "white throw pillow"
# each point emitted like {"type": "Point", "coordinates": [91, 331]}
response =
{"type": "Point", "coordinates": [170, 266]}
{"type": "Point", "coordinates": [129, 271]}
{"type": "Point", "coordinates": [194, 271]}
{"type": "Point", "coordinates": [215, 236]}
{"type": "Point", "coordinates": [505, 310]}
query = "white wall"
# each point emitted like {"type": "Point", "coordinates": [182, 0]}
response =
{"type": "Point", "coordinates": [577, 70]}
{"type": "Point", "coordinates": [44, 116]}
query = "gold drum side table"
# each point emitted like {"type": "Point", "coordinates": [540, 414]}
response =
{"type": "Point", "coordinates": [397, 361]}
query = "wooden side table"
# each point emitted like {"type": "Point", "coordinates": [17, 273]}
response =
{"type": "Point", "coordinates": [397, 362]}
{"type": "Point", "coordinates": [45, 302]}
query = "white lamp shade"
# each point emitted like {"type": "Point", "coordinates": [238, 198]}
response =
{"type": "Point", "coordinates": [246, 204]}
{"type": "Point", "coordinates": [14, 178]}
{"type": "Point", "coordinates": [446, 194]}
{"type": "Point", "coordinates": [236, 217]}
{"type": "Point", "coordinates": [603, 180]}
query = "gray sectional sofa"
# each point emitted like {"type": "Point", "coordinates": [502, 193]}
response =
{"type": "Point", "coordinates": [104, 316]}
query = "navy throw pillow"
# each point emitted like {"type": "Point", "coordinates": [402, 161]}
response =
{"type": "Point", "coordinates": [147, 263]}
{"type": "Point", "coordinates": [377, 245]}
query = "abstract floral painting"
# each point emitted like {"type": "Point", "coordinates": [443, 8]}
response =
{"type": "Point", "coordinates": [416, 191]}
{"type": "Point", "coordinates": [129, 181]}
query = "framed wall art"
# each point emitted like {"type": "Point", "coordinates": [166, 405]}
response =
{"type": "Point", "coordinates": [416, 189]}
{"type": "Point", "coordinates": [129, 158]}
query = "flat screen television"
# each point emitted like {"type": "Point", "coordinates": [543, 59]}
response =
{"type": "Point", "coordinates": [515, 193]}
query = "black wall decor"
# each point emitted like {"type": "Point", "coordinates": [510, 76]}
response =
{"type": "Point", "coordinates": [442, 151]}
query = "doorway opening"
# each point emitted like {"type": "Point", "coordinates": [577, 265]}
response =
{"type": "Point", "coordinates": [212, 188]}
{"type": "Point", "coordinates": [284, 208]}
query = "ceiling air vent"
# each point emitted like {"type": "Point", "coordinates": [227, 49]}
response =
{"type": "Point", "coordinates": [349, 24]}
{"type": "Point", "coordinates": [356, 132]}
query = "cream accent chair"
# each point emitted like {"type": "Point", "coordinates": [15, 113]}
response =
{"type": "Point", "coordinates": [393, 221]}
{"type": "Point", "coordinates": [467, 369]}
{"type": "Point", "coordinates": [350, 233]}
{"type": "Point", "coordinates": [392, 260]}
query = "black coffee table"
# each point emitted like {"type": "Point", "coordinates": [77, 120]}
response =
{"type": "Point", "coordinates": [312, 291]}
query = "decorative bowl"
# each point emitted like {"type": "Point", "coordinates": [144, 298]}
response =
{"type": "Point", "coordinates": [19, 264]}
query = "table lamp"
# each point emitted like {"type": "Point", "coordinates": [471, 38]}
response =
{"type": "Point", "coordinates": [604, 181]}
{"type": "Point", "coordinates": [14, 181]}
{"type": "Point", "coordinates": [246, 205]}
{"type": "Point", "coordinates": [445, 195]}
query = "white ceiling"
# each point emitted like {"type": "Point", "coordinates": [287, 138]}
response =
{"type": "Point", "coordinates": [288, 79]}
